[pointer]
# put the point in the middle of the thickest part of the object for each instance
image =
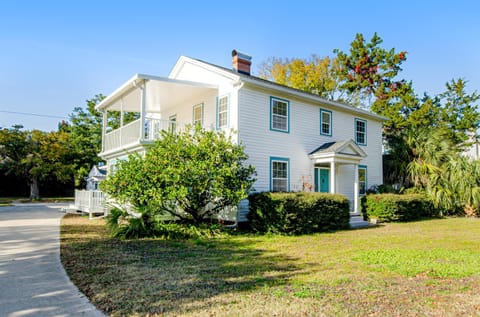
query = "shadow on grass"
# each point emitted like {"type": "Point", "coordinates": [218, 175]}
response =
{"type": "Point", "coordinates": [155, 276]}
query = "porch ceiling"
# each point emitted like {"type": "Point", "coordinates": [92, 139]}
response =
{"type": "Point", "coordinates": [161, 93]}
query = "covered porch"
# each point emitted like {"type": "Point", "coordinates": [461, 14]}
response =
{"type": "Point", "coordinates": [135, 113]}
{"type": "Point", "coordinates": [336, 170]}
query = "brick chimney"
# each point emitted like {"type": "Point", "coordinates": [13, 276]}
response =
{"type": "Point", "coordinates": [241, 62]}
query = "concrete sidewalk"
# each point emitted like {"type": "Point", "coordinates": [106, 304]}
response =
{"type": "Point", "coordinates": [32, 279]}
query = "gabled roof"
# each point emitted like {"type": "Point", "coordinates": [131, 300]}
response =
{"type": "Point", "coordinates": [260, 82]}
{"type": "Point", "coordinates": [346, 147]}
{"type": "Point", "coordinates": [97, 172]}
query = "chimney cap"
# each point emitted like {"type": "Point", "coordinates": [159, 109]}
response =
{"type": "Point", "coordinates": [241, 55]}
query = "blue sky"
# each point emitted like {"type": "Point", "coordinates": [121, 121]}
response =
{"type": "Point", "coordinates": [57, 54]}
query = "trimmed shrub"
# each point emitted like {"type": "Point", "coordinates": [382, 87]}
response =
{"type": "Point", "coordinates": [392, 207]}
{"type": "Point", "coordinates": [298, 213]}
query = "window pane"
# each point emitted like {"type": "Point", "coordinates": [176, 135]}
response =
{"type": "Point", "coordinates": [279, 185]}
{"type": "Point", "coordinates": [279, 169]}
{"type": "Point", "coordinates": [360, 126]}
{"type": "Point", "coordinates": [360, 138]}
{"type": "Point", "coordinates": [279, 123]}
{"type": "Point", "coordinates": [325, 128]}
{"type": "Point", "coordinates": [222, 119]}
{"type": "Point", "coordinates": [325, 117]}
{"type": "Point", "coordinates": [279, 108]}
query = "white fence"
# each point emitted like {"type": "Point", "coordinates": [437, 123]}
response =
{"type": "Point", "coordinates": [90, 201]}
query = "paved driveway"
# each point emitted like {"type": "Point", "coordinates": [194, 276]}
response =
{"type": "Point", "coordinates": [32, 279]}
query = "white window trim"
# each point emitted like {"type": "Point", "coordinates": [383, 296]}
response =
{"type": "Point", "coordinates": [322, 111]}
{"type": "Point", "coordinates": [226, 112]}
{"type": "Point", "coordinates": [287, 117]}
{"type": "Point", "coordinates": [364, 132]}
{"type": "Point", "coordinates": [280, 160]}
{"type": "Point", "coordinates": [195, 107]}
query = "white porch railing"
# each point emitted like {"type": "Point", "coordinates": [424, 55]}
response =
{"type": "Point", "coordinates": [90, 201]}
{"type": "Point", "coordinates": [130, 133]}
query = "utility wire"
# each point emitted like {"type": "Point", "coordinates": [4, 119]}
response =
{"type": "Point", "coordinates": [34, 114]}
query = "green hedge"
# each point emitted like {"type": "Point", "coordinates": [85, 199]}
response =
{"type": "Point", "coordinates": [393, 207]}
{"type": "Point", "coordinates": [298, 213]}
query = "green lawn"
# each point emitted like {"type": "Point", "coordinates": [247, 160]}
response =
{"type": "Point", "coordinates": [7, 201]}
{"type": "Point", "coordinates": [408, 269]}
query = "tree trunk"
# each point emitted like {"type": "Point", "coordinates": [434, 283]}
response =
{"type": "Point", "coordinates": [34, 191]}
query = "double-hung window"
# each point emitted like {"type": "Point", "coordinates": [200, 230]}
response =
{"type": "Point", "coordinates": [279, 171]}
{"type": "Point", "coordinates": [325, 122]}
{"type": "Point", "coordinates": [222, 112]}
{"type": "Point", "coordinates": [279, 115]}
{"type": "Point", "coordinates": [362, 179]}
{"type": "Point", "coordinates": [360, 131]}
{"type": "Point", "coordinates": [198, 114]}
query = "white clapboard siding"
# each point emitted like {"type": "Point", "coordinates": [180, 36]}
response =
{"type": "Point", "coordinates": [261, 143]}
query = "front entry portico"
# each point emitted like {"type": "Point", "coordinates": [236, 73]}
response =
{"type": "Point", "coordinates": [335, 168]}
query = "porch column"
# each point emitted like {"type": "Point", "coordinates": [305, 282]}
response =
{"type": "Point", "coordinates": [332, 177]}
{"type": "Point", "coordinates": [355, 189]}
{"type": "Point", "coordinates": [142, 111]}
{"type": "Point", "coordinates": [104, 128]}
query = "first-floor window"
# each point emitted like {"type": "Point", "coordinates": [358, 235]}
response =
{"type": "Point", "coordinates": [198, 114]}
{"type": "Point", "coordinates": [279, 170]}
{"type": "Point", "coordinates": [222, 112]}
{"type": "Point", "coordinates": [362, 180]}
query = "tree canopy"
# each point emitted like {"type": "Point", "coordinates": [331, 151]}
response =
{"type": "Point", "coordinates": [424, 135]}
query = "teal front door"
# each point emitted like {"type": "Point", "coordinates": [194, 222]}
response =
{"type": "Point", "coordinates": [322, 180]}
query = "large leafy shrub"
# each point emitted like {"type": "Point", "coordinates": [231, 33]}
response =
{"type": "Point", "coordinates": [393, 207]}
{"type": "Point", "coordinates": [298, 213]}
{"type": "Point", "coordinates": [189, 176]}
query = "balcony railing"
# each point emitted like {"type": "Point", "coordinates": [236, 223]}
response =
{"type": "Point", "coordinates": [130, 133]}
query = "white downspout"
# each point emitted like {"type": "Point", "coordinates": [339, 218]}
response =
{"type": "Point", "coordinates": [355, 189]}
{"type": "Point", "coordinates": [332, 177]}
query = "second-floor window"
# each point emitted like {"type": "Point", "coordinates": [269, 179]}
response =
{"type": "Point", "coordinates": [198, 114]}
{"type": "Point", "coordinates": [279, 115]}
{"type": "Point", "coordinates": [325, 122]}
{"type": "Point", "coordinates": [360, 131]}
{"type": "Point", "coordinates": [222, 112]}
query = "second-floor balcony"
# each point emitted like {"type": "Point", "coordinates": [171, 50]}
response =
{"type": "Point", "coordinates": [145, 99]}
{"type": "Point", "coordinates": [131, 136]}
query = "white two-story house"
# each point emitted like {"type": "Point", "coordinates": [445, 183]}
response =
{"type": "Point", "coordinates": [297, 141]}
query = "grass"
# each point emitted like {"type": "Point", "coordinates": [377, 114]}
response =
{"type": "Point", "coordinates": [407, 269]}
{"type": "Point", "coordinates": [7, 201]}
